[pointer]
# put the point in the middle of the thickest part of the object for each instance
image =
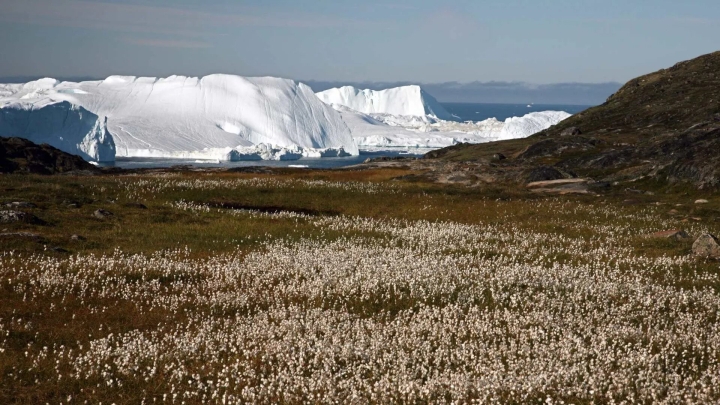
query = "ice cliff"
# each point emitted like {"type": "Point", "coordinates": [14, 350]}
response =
{"type": "Point", "coordinates": [61, 124]}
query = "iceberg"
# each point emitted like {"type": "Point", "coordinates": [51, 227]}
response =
{"type": "Point", "coordinates": [212, 117]}
{"type": "Point", "coordinates": [528, 124]}
{"type": "Point", "coordinates": [409, 117]}
{"type": "Point", "coordinates": [384, 131]}
{"type": "Point", "coordinates": [402, 101]}
{"type": "Point", "coordinates": [61, 124]}
{"type": "Point", "coordinates": [261, 151]}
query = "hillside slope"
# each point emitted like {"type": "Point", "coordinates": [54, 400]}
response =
{"type": "Point", "coordinates": [664, 126]}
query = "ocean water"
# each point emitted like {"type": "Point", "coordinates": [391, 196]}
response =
{"type": "Point", "coordinates": [481, 111]}
{"type": "Point", "coordinates": [313, 163]}
{"type": "Point", "coordinates": [463, 112]}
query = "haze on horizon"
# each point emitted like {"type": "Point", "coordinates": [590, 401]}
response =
{"type": "Point", "coordinates": [596, 43]}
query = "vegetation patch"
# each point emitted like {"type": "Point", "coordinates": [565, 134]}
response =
{"type": "Point", "coordinates": [347, 286]}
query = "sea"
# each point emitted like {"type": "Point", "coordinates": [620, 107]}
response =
{"type": "Point", "coordinates": [461, 111]}
{"type": "Point", "coordinates": [481, 111]}
{"type": "Point", "coordinates": [312, 163]}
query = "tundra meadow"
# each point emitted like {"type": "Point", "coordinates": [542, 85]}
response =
{"type": "Point", "coordinates": [349, 287]}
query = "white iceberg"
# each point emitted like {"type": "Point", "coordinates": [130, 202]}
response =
{"type": "Point", "coordinates": [402, 101]}
{"type": "Point", "coordinates": [61, 124]}
{"type": "Point", "coordinates": [528, 124]}
{"type": "Point", "coordinates": [199, 118]}
{"type": "Point", "coordinates": [409, 117]}
{"type": "Point", "coordinates": [261, 151]}
{"type": "Point", "coordinates": [385, 131]}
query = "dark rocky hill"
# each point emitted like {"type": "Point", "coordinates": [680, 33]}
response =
{"type": "Point", "coordinates": [664, 126]}
{"type": "Point", "coordinates": [18, 155]}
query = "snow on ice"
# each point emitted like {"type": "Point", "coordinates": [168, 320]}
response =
{"type": "Point", "coordinates": [215, 117]}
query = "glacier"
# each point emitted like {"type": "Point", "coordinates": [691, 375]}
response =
{"type": "Point", "coordinates": [61, 124]}
{"type": "Point", "coordinates": [222, 117]}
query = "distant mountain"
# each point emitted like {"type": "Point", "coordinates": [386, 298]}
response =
{"type": "Point", "coordinates": [664, 126]}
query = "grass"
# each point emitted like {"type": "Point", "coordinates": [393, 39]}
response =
{"type": "Point", "coordinates": [213, 254]}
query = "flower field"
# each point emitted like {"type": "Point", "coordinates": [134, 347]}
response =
{"type": "Point", "coordinates": [330, 290]}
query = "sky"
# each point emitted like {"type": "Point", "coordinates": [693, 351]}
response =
{"type": "Point", "coordinates": [529, 41]}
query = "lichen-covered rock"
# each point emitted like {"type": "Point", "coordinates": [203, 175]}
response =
{"type": "Point", "coordinates": [571, 131]}
{"type": "Point", "coordinates": [706, 246]}
{"type": "Point", "coordinates": [544, 173]}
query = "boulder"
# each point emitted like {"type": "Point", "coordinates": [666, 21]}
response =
{"type": "Point", "coordinates": [497, 157]}
{"type": "Point", "coordinates": [20, 204]}
{"type": "Point", "coordinates": [555, 183]}
{"type": "Point", "coordinates": [543, 173]}
{"type": "Point", "coordinates": [9, 216]}
{"type": "Point", "coordinates": [560, 186]}
{"type": "Point", "coordinates": [77, 238]}
{"type": "Point", "coordinates": [706, 246]}
{"type": "Point", "coordinates": [701, 201]}
{"type": "Point", "coordinates": [571, 131]}
{"type": "Point", "coordinates": [102, 214]}
{"type": "Point", "coordinates": [676, 234]}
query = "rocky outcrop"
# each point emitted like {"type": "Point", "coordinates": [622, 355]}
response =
{"type": "Point", "coordinates": [543, 173]}
{"type": "Point", "coordinates": [18, 155]}
{"type": "Point", "coordinates": [571, 131]}
{"type": "Point", "coordinates": [560, 186]}
{"type": "Point", "coordinates": [663, 126]}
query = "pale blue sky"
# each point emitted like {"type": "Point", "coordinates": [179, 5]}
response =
{"type": "Point", "coordinates": [421, 41]}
